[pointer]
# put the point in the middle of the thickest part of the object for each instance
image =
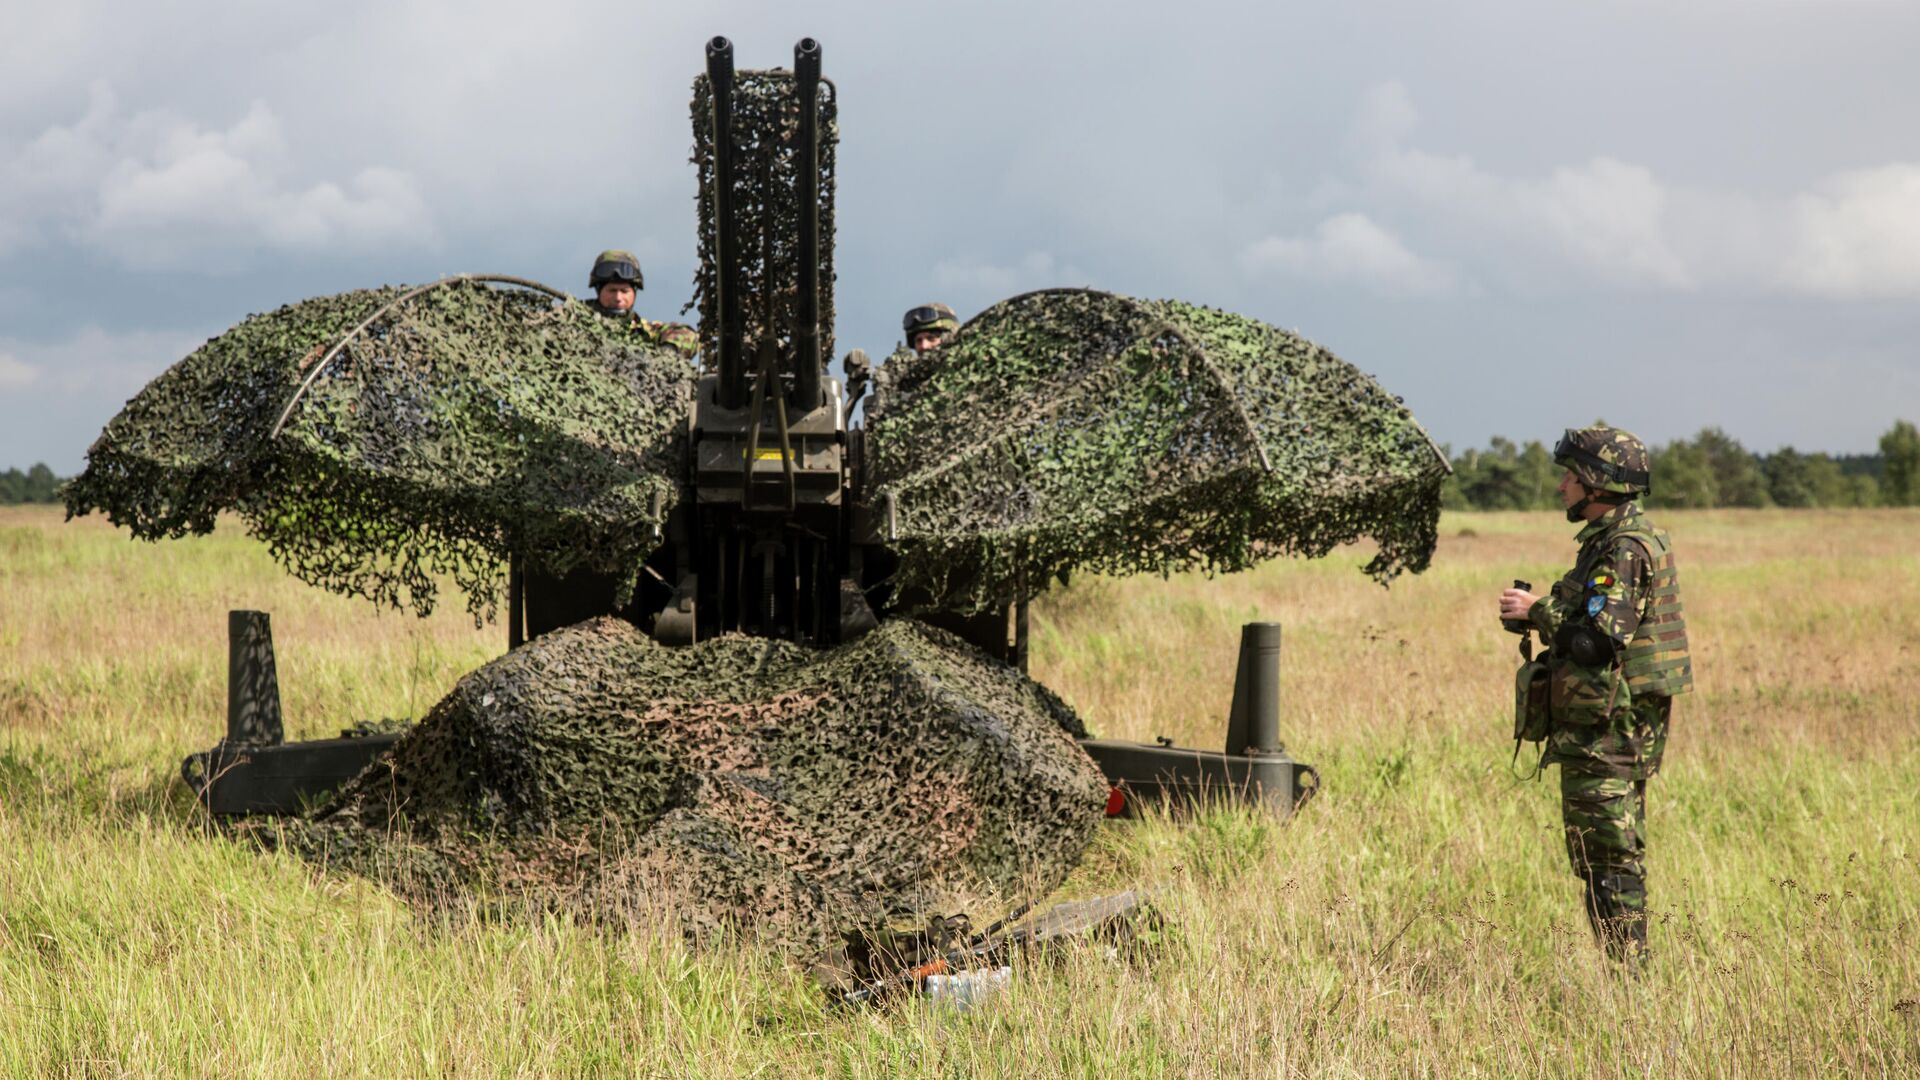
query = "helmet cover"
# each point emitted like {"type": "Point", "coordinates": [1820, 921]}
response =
{"type": "Point", "coordinates": [938, 318]}
{"type": "Point", "coordinates": [615, 265]}
{"type": "Point", "coordinates": [1605, 459]}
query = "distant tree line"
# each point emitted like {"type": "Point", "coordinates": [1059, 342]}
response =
{"type": "Point", "coordinates": [1711, 469]}
{"type": "Point", "coordinates": [36, 485]}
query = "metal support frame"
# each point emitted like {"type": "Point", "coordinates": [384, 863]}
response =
{"type": "Point", "coordinates": [1254, 766]}
{"type": "Point", "coordinates": [253, 681]}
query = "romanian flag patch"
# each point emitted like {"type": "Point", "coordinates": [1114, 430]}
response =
{"type": "Point", "coordinates": [1601, 580]}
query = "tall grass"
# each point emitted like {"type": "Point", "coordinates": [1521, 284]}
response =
{"type": "Point", "coordinates": [1418, 917]}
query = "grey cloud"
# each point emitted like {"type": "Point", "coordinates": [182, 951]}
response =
{"type": "Point", "coordinates": [157, 189]}
{"type": "Point", "coordinates": [55, 396]}
{"type": "Point", "coordinates": [95, 362]}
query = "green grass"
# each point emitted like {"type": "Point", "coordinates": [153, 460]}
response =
{"type": "Point", "coordinates": [1418, 917]}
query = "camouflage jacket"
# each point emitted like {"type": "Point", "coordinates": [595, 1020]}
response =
{"type": "Point", "coordinates": [1625, 586]}
{"type": "Point", "coordinates": [678, 335]}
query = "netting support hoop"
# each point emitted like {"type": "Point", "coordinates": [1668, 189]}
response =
{"type": "Point", "coordinates": [314, 375]}
{"type": "Point", "coordinates": [1226, 389]}
{"type": "Point", "coordinates": [1255, 431]}
{"type": "Point", "coordinates": [1239, 407]}
{"type": "Point", "coordinates": [1046, 412]}
{"type": "Point", "coordinates": [1161, 325]}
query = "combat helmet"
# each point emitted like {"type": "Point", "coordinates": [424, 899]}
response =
{"type": "Point", "coordinates": [936, 317]}
{"type": "Point", "coordinates": [615, 265]}
{"type": "Point", "coordinates": [1606, 459]}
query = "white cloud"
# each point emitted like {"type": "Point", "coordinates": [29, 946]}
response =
{"type": "Point", "coordinates": [1610, 215]}
{"type": "Point", "coordinates": [158, 189]}
{"type": "Point", "coordinates": [16, 373]}
{"type": "Point", "coordinates": [1858, 234]}
{"type": "Point", "coordinates": [1855, 234]}
{"type": "Point", "coordinates": [1607, 217]}
{"type": "Point", "coordinates": [1352, 247]}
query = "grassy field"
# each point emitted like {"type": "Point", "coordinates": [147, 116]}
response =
{"type": "Point", "coordinates": [1418, 917]}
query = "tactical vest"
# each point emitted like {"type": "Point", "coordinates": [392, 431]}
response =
{"type": "Point", "coordinates": [1655, 662]}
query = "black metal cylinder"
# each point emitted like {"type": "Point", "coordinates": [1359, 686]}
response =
{"type": "Point", "coordinates": [1262, 642]}
{"type": "Point", "coordinates": [806, 338]}
{"type": "Point", "coordinates": [253, 683]}
{"type": "Point", "coordinates": [726, 300]}
{"type": "Point", "coordinates": [1253, 726]}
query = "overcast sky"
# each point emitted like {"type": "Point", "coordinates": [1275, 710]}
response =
{"type": "Point", "coordinates": [1519, 216]}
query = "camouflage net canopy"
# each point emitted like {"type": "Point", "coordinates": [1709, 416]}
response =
{"type": "Point", "coordinates": [742, 783]}
{"type": "Point", "coordinates": [766, 120]}
{"type": "Point", "coordinates": [460, 426]}
{"type": "Point", "coordinates": [1075, 430]}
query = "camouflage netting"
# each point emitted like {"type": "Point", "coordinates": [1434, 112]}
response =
{"type": "Point", "coordinates": [766, 117]}
{"type": "Point", "coordinates": [795, 794]}
{"type": "Point", "coordinates": [1069, 429]}
{"type": "Point", "coordinates": [466, 423]}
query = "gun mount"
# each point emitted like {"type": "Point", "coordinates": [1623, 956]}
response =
{"type": "Point", "coordinates": [777, 526]}
{"type": "Point", "coordinates": [762, 540]}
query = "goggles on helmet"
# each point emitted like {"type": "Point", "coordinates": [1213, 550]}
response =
{"type": "Point", "coordinates": [921, 316]}
{"type": "Point", "coordinates": [615, 270]}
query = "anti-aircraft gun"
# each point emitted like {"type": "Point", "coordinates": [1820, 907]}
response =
{"type": "Point", "coordinates": [764, 538]}
{"type": "Point", "coordinates": [1142, 436]}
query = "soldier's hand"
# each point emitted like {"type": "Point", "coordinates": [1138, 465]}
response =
{"type": "Point", "coordinates": [1515, 603]}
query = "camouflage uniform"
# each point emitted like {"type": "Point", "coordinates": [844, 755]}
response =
{"type": "Point", "coordinates": [678, 335]}
{"type": "Point", "coordinates": [1610, 716]}
{"type": "Point", "coordinates": [900, 363]}
{"type": "Point", "coordinates": [615, 265]}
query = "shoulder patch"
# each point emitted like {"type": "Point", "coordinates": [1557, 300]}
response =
{"type": "Point", "coordinates": [1601, 580]}
{"type": "Point", "coordinates": [1594, 604]}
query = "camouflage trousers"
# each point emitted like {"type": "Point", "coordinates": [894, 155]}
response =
{"type": "Point", "coordinates": [1604, 771]}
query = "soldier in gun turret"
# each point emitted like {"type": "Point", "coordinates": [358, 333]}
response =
{"type": "Point", "coordinates": [926, 328]}
{"type": "Point", "coordinates": [1618, 657]}
{"type": "Point", "coordinates": [616, 283]}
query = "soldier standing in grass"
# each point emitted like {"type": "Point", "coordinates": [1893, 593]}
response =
{"type": "Point", "coordinates": [616, 282]}
{"type": "Point", "coordinates": [1618, 656]}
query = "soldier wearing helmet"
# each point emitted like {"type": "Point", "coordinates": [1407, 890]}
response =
{"type": "Point", "coordinates": [1617, 657]}
{"type": "Point", "coordinates": [926, 327]}
{"type": "Point", "coordinates": [616, 282]}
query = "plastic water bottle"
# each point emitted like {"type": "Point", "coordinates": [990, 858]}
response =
{"type": "Point", "coordinates": [964, 989]}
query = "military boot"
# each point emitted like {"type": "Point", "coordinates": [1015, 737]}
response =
{"type": "Point", "coordinates": [1598, 905]}
{"type": "Point", "coordinates": [1629, 943]}
{"type": "Point", "coordinates": [1621, 927]}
